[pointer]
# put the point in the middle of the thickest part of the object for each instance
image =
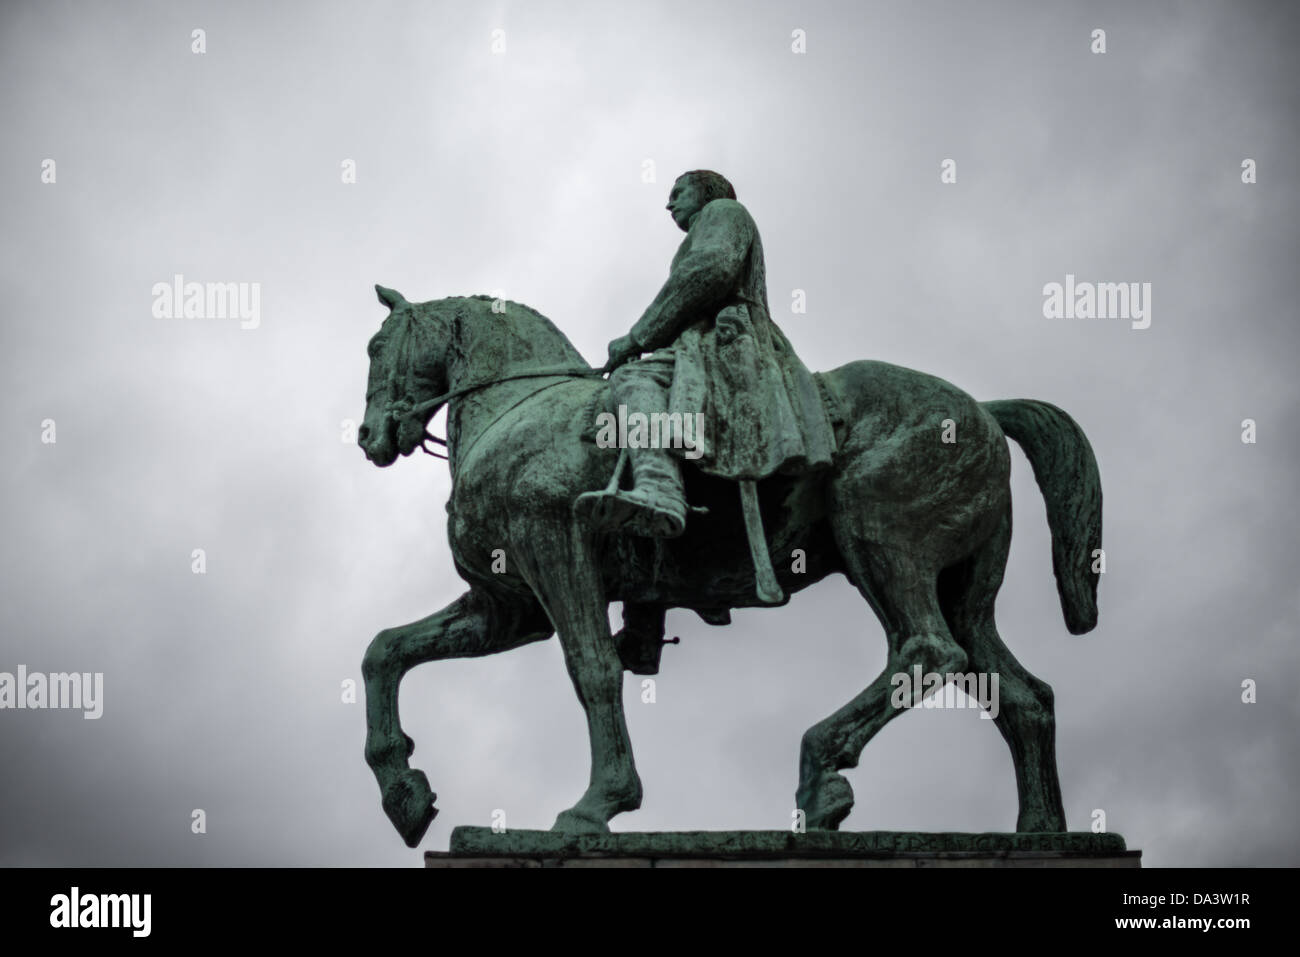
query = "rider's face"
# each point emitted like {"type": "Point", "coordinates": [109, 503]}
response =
{"type": "Point", "coordinates": [684, 202]}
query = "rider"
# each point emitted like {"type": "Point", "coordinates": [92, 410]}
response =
{"type": "Point", "coordinates": [714, 349]}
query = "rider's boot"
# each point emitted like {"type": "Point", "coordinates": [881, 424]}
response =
{"type": "Point", "coordinates": [654, 507]}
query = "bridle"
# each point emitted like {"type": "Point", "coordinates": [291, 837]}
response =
{"type": "Point", "coordinates": [404, 408]}
{"type": "Point", "coordinates": [399, 409]}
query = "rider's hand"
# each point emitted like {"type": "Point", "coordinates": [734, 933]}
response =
{"type": "Point", "coordinates": [622, 350]}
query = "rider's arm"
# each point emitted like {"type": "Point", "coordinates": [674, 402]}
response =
{"type": "Point", "coordinates": [703, 278]}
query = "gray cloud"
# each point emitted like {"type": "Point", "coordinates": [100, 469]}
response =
{"type": "Point", "coordinates": [523, 172]}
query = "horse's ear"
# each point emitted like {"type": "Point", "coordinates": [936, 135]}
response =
{"type": "Point", "coordinates": [389, 297]}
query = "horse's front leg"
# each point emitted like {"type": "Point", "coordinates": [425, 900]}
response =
{"type": "Point", "coordinates": [470, 626]}
{"type": "Point", "coordinates": [567, 582]}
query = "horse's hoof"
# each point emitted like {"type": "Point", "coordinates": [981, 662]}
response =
{"type": "Point", "coordinates": [574, 821]}
{"type": "Point", "coordinates": [408, 802]}
{"type": "Point", "coordinates": [829, 801]}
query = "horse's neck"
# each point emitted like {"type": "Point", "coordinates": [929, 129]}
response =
{"type": "Point", "coordinates": [490, 347]}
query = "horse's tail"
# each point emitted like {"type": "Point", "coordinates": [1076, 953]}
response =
{"type": "Point", "coordinates": [1067, 475]}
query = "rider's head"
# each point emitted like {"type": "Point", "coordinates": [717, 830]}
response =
{"type": "Point", "coordinates": [693, 190]}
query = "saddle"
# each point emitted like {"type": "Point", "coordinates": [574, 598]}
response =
{"type": "Point", "coordinates": [767, 588]}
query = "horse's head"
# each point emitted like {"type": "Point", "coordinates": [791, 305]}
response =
{"type": "Point", "coordinates": [407, 367]}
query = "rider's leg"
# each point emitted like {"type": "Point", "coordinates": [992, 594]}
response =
{"type": "Point", "coordinates": [656, 503]}
{"type": "Point", "coordinates": [640, 641]}
{"type": "Point", "coordinates": [643, 387]}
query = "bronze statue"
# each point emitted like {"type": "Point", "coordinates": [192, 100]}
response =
{"type": "Point", "coordinates": [716, 352]}
{"type": "Point", "coordinates": [894, 478]}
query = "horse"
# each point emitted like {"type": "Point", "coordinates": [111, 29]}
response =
{"type": "Point", "coordinates": [914, 510]}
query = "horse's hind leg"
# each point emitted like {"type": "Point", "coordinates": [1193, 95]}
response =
{"type": "Point", "coordinates": [568, 584]}
{"type": "Point", "coordinates": [470, 626]}
{"type": "Point", "coordinates": [901, 590]}
{"type": "Point", "coordinates": [1023, 707]}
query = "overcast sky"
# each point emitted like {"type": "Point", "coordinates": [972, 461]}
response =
{"type": "Point", "coordinates": [524, 171]}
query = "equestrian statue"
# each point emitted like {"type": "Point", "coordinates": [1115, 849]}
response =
{"type": "Point", "coordinates": [893, 478]}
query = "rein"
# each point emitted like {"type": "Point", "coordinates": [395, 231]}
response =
{"type": "Point", "coordinates": [400, 411]}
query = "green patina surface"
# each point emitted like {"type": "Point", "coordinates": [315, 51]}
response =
{"type": "Point", "coordinates": [484, 842]}
{"type": "Point", "coordinates": [895, 479]}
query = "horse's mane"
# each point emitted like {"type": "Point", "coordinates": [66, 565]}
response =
{"type": "Point", "coordinates": [542, 334]}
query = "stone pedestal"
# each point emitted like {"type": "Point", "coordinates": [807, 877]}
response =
{"type": "Point", "coordinates": [482, 847]}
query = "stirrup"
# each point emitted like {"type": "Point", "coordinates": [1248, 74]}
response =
{"type": "Point", "coordinates": [632, 511]}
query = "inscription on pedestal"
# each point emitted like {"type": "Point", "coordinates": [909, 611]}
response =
{"type": "Point", "coordinates": [481, 846]}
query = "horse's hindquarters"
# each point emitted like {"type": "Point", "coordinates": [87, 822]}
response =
{"type": "Point", "coordinates": [923, 468]}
